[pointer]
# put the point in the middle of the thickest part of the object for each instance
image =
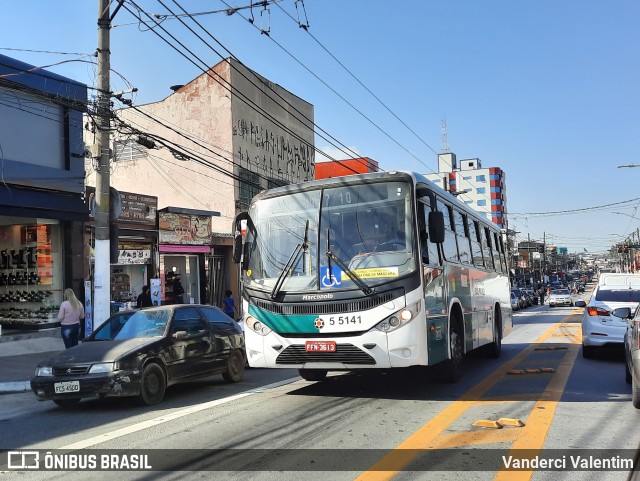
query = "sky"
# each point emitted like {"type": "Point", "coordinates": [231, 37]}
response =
{"type": "Point", "coordinates": [546, 90]}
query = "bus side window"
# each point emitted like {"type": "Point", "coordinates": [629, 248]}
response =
{"type": "Point", "coordinates": [499, 257]}
{"type": "Point", "coordinates": [450, 245]}
{"type": "Point", "coordinates": [464, 247]}
{"type": "Point", "coordinates": [486, 247]}
{"type": "Point", "coordinates": [428, 249]}
{"type": "Point", "coordinates": [476, 246]}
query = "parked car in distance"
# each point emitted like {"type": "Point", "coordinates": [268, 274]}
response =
{"type": "Point", "coordinates": [560, 297]}
{"type": "Point", "coordinates": [515, 302]}
{"type": "Point", "coordinates": [141, 353]}
{"type": "Point", "coordinates": [533, 295]}
{"type": "Point", "coordinates": [522, 300]}
{"type": "Point", "coordinates": [599, 326]}
{"type": "Point", "coordinates": [631, 350]}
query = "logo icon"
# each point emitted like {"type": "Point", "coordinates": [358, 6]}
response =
{"type": "Point", "coordinates": [318, 323]}
{"type": "Point", "coordinates": [23, 459]}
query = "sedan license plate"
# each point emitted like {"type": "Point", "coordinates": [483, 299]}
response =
{"type": "Point", "coordinates": [67, 386]}
{"type": "Point", "coordinates": [320, 346]}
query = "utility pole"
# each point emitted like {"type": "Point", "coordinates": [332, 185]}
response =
{"type": "Point", "coordinates": [102, 265]}
{"type": "Point", "coordinates": [544, 255]}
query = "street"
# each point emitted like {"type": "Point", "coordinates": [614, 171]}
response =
{"type": "Point", "coordinates": [540, 395]}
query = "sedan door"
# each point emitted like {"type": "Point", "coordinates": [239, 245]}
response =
{"type": "Point", "coordinates": [225, 331]}
{"type": "Point", "coordinates": [191, 343]}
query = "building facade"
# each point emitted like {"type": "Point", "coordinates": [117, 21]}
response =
{"type": "Point", "coordinates": [204, 152]}
{"type": "Point", "coordinates": [42, 198]}
{"type": "Point", "coordinates": [483, 189]}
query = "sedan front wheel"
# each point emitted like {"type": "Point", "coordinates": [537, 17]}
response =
{"type": "Point", "coordinates": [152, 385]}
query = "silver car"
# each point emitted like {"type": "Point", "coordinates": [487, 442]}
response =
{"type": "Point", "coordinates": [560, 297]}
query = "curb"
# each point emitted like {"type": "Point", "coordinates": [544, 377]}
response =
{"type": "Point", "coordinates": [14, 387]}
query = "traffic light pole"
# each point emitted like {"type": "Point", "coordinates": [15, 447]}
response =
{"type": "Point", "coordinates": [102, 266]}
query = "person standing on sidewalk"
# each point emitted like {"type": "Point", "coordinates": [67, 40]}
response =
{"type": "Point", "coordinates": [229, 304]}
{"type": "Point", "coordinates": [71, 311]}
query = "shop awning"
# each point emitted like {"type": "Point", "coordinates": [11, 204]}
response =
{"type": "Point", "coordinates": [185, 249]}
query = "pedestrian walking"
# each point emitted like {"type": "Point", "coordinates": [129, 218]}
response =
{"type": "Point", "coordinates": [71, 311]}
{"type": "Point", "coordinates": [178, 290]}
{"type": "Point", "coordinates": [229, 304]}
{"type": "Point", "coordinates": [144, 299]}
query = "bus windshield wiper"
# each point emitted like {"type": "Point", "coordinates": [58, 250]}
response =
{"type": "Point", "coordinates": [291, 262]}
{"type": "Point", "coordinates": [357, 280]}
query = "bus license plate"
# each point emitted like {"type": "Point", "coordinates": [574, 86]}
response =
{"type": "Point", "coordinates": [320, 346]}
{"type": "Point", "coordinates": [68, 386]}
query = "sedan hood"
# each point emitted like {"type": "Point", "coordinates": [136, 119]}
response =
{"type": "Point", "coordinates": [98, 351]}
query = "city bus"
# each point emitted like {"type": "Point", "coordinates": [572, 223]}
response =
{"type": "Point", "coordinates": [369, 271]}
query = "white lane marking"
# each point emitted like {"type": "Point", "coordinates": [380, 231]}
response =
{"type": "Point", "coordinates": [101, 438]}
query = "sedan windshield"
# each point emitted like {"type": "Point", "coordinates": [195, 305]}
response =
{"type": "Point", "coordinates": [561, 292]}
{"type": "Point", "coordinates": [130, 325]}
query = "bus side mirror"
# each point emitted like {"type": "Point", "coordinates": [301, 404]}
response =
{"type": "Point", "coordinates": [237, 248]}
{"type": "Point", "coordinates": [436, 227]}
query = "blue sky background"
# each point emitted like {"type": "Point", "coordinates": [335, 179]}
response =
{"type": "Point", "coordinates": [547, 90]}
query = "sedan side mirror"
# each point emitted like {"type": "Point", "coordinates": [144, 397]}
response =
{"type": "Point", "coordinates": [180, 335]}
{"type": "Point", "coordinates": [580, 303]}
{"type": "Point", "coordinates": [622, 312]}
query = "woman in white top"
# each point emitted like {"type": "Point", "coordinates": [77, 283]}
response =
{"type": "Point", "coordinates": [71, 311]}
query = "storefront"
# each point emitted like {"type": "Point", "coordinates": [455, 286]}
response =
{"type": "Point", "coordinates": [137, 245]}
{"type": "Point", "coordinates": [184, 245]}
{"type": "Point", "coordinates": [31, 272]}
{"type": "Point", "coordinates": [42, 201]}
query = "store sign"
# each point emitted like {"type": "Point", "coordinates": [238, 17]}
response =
{"type": "Point", "coordinates": [138, 209]}
{"type": "Point", "coordinates": [134, 256]}
{"type": "Point", "coordinates": [184, 229]}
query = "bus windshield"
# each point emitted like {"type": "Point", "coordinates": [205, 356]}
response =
{"type": "Point", "coordinates": [368, 227]}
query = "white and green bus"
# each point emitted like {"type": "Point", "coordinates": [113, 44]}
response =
{"type": "Point", "coordinates": [373, 271]}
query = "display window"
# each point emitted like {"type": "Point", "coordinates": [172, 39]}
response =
{"type": "Point", "coordinates": [30, 273]}
{"type": "Point", "coordinates": [131, 272]}
{"type": "Point", "coordinates": [180, 279]}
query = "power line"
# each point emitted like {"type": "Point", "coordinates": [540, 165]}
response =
{"type": "Point", "coordinates": [240, 95]}
{"type": "Point", "coordinates": [310, 121]}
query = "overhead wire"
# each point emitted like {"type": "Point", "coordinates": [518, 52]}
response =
{"type": "Point", "coordinates": [351, 152]}
{"type": "Point", "coordinates": [222, 82]}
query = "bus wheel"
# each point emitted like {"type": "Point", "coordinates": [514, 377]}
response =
{"type": "Point", "coordinates": [313, 374]}
{"type": "Point", "coordinates": [495, 348]}
{"type": "Point", "coordinates": [451, 369]}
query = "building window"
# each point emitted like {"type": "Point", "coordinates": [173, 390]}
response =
{"type": "Point", "coordinates": [468, 177]}
{"type": "Point", "coordinates": [496, 201]}
{"type": "Point", "coordinates": [127, 150]}
{"type": "Point", "coordinates": [481, 178]}
{"type": "Point", "coordinates": [249, 186]}
{"type": "Point", "coordinates": [496, 189]}
{"type": "Point", "coordinates": [481, 190]}
{"type": "Point", "coordinates": [494, 177]}
{"type": "Point", "coordinates": [482, 203]}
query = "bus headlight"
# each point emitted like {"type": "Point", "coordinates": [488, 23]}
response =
{"type": "Point", "coordinates": [257, 326]}
{"type": "Point", "coordinates": [398, 319]}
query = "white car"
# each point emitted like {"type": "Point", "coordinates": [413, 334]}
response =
{"type": "Point", "coordinates": [599, 326]}
{"type": "Point", "coordinates": [560, 297]}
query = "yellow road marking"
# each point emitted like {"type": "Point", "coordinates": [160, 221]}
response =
{"type": "Point", "coordinates": [473, 438]}
{"type": "Point", "coordinates": [535, 432]}
{"type": "Point", "coordinates": [425, 437]}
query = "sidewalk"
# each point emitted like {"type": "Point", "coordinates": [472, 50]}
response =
{"type": "Point", "coordinates": [20, 352]}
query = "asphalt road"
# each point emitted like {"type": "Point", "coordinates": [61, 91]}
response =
{"type": "Point", "coordinates": [541, 398]}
